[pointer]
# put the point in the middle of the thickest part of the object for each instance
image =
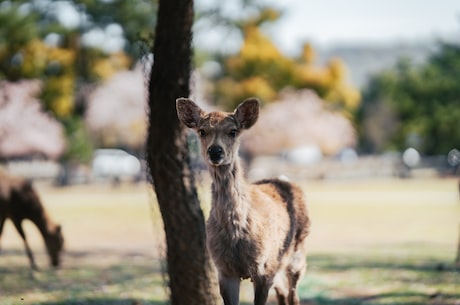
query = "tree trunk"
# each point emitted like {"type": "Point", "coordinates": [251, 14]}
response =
{"type": "Point", "coordinates": [191, 276]}
{"type": "Point", "coordinates": [457, 259]}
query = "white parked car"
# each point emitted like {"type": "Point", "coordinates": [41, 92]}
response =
{"type": "Point", "coordinates": [115, 164]}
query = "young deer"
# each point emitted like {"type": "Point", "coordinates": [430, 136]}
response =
{"type": "Point", "coordinates": [19, 201]}
{"type": "Point", "coordinates": [255, 231]}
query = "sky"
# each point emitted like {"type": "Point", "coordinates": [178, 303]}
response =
{"type": "Point", "coordinates": [323, 23]}
{"type": "Point", "coordinates": [328, 22]}
{"type": "Point", "coordinates": [333, 22]}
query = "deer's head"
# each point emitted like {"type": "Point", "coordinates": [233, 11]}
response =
{"type": "Point", "coordinates": [54, 244]}
{"type": "Point", "coordinates": [218, 131]}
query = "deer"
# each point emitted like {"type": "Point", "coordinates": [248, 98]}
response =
{"type": "Point", "coordinates": [19, 201]}
{"type": "Point", "coordinates": [255, 231]}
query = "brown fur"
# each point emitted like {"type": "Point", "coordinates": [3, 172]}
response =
{"type": "Point", "coordinates": [19, 201]}
{"type": "Point", "coordinates": [255, 231]}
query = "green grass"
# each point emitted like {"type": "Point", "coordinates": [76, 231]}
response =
{"type": "Point", "coordinates": [379, 277]}
{"type": "Point", "coordinates": [114, 283]}
{"type": "Point", "coordinates": [383, 242]}
{"type": "Point", "coordinates": [372, 242]}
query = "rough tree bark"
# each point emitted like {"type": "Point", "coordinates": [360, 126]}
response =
{"type": "Point", "coordinates": [191, 277]}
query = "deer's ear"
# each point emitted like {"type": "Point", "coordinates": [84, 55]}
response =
{"type": "Point", "coordinates": [188, 112]}
{"type": "Point", "coordinates": [247, 112]}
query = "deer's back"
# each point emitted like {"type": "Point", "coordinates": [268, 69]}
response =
{"type": "Point", "coordinates": [284, 220]}
{"type": "Point", "coordinates": [17, 198]}
{"type": "Point", "coordinates": [285, 206]}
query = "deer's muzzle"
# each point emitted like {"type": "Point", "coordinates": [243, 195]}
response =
{"type": "Point", "coordinates": [216, 154]}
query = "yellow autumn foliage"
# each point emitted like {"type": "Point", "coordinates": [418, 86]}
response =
{"type": "Point", "coordinates": [257, 46]}
{"type": "Point", "coordinates": [344, 96]}
{"type": "Point", "coordinates": [63, 106]}
{"type": "Point", "coordinates": [258, 57]}
{"type": "Point", "coordinates": [65, 57]}
{"type": "Point", "coordinates": [106, 67]}
{"type": "Point", "coordinates": [260, 69]}
{"type": "Point", "coordinates": [257, 86]}
{"type": "Point", "coordinates": [268, 14]}
{"type": "Point", "coordinates": [35, 58]}
{"type": "Point", "coordinates": [55, 66]}
{"type": "Point", "coordinates": [311, 75]}
{"type": "Point", "coordinates": [337, 71]}
{"type": "Point", "coordinates": [59, 94]}
{"type": "Point", "coordinates": [308, 54]}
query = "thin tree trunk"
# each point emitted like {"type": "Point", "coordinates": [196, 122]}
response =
{"type": "Point", "coordinates": [191, 276]}
{"type": "Point", "coordinates": [457, 259]}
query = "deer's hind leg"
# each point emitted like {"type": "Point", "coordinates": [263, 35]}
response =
{"type": "Point", "coordinates": [29, 253]}
{"type": "Point", "coordinates": [294, 273]}
{"type": "Point", "coordinates": [282, 288]}
{"type": "Point", "coordinates": [293, 297]}
{"type": "Point", "coordinates": [286, 284]}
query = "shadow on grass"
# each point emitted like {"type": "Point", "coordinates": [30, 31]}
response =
{"type": "Point", "coordinates": [380, 279]}
{"type": "Point", "coordinates": [93, 278]}
{"type": "Point", "coordinates": [345, 263]}
{"type": "Point", "coordinates": [103, 301]}
{"type": "Point", "coordinates": [84, 276]}
{"type": "Point", "coordinates": [405, 298]}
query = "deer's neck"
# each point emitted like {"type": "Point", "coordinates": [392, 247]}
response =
{"type": "Point", "coordinates": [229, 199]}
{"type": "Point", "coordinates": [43, 223]}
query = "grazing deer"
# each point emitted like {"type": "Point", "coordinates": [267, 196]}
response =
{"type": "Point", "coordinates": [256, 231]}
{"type": "Point", "coordinates": [19, 201]}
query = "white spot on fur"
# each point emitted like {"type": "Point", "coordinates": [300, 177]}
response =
{"type": "Point", "coordinates": [284, 178]}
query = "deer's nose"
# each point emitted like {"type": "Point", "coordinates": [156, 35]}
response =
{"type": "Point", "coordinates": [216, 154]}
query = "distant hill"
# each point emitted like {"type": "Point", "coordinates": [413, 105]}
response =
{"type": "Point", "coordinates": [364, 60]}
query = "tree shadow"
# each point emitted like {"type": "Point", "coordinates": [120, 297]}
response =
{"type": "Point", "coordinates": [87, 273]}
{"type": "Point", "coordinates": [332, 262]}
{"type": "Point", "coordinates": [104, 301]}
{"type": "Point", "coordinates": [391, 298]}
{"type": "Point", "coordinates": [354, 279]}
{"type": "Point", "coordinates": [124, 272]}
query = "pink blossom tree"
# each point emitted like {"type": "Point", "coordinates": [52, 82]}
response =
{"type": "Point", "coordinates": [25, 130]}
{"type": "Point", "coordinates": [116, 113]}
{"type": "Point", "coordinates": [299, 118]}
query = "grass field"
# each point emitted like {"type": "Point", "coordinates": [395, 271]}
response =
{"type": "Point", "coordinates": [372, 242]}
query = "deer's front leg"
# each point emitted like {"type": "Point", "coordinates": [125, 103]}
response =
{"type": "Point", "coordinates": [261, 287]}
{"type": "Point", "coordinates": [229, 289]}
{"type": "Point", "coordinates": [18, 226]}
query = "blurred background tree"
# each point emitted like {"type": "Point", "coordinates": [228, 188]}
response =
{"type": "Point", "coordinates": [68, 45]}
{"type": "Point", "coordinates": [73, 45]}
{"type": "Point", "coordinates": [122, 94]}
{"type": "Point", "coordinates": [414, 105]}
{"type": "Point", "coordinates": [25, 130]}
{"type": "Point", "coordinates": [260, 69]}
{"type": "Point", "coordinates": [76, 46]}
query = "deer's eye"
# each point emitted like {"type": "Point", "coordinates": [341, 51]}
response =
{"type": "Point", "coordinates": [201, 132]}
{"type": "Point", "coordinates": [233, 133]}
